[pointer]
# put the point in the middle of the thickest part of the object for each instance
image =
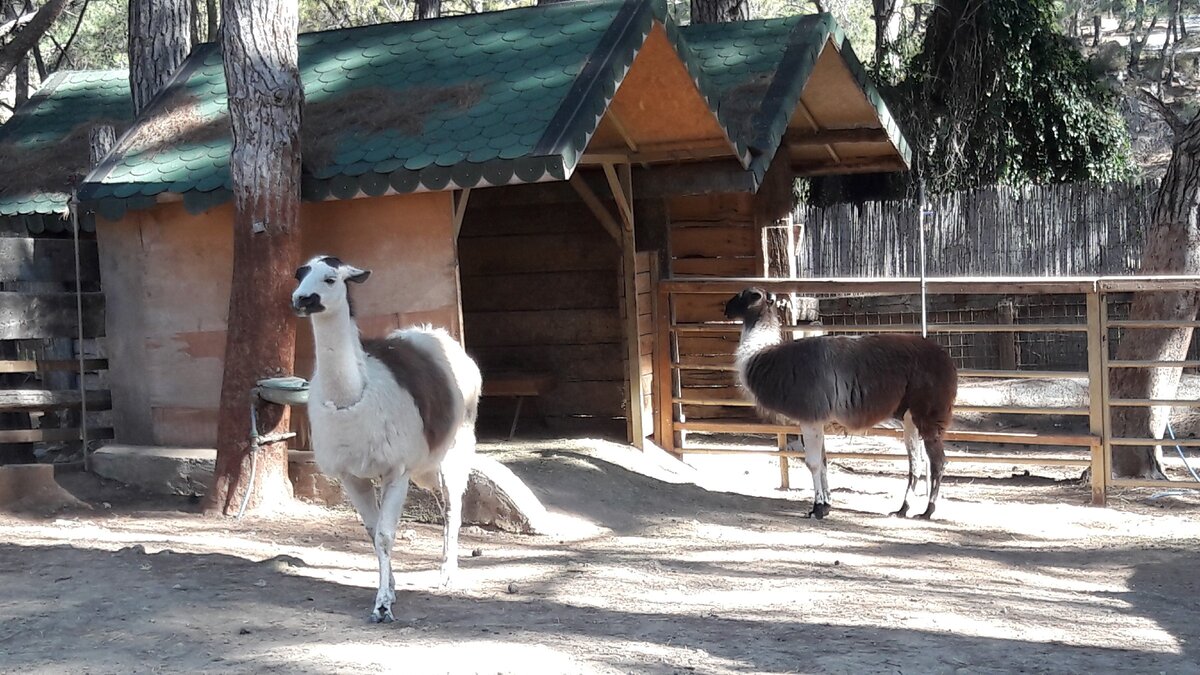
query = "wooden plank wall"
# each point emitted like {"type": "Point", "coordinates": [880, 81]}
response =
{"type": "Point", "coordinates": [717, 236]}
{"type": "Point", "coordinates": [39, 395]}
{"type": "Point", "coordinates": [540, 293]}
{"type": "Point", "coordinates": [647, 262]}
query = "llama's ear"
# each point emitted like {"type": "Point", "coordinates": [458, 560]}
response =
{"type": "Point", "coordinates": [356, 275]}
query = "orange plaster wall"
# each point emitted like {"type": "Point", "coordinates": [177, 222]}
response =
{"type": "Point", "coordinates": [167, 276]}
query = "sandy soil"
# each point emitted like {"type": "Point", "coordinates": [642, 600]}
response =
{"type": "Point", "coordinates": [668, 569]}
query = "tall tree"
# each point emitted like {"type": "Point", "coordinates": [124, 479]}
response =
{"type": "Point", "coordinates": [159, 40]}
{"type": "Point", "coordinates": [258, 43]}
{"type": "Point", "coordinates": [1172, 247]}
{"type": "Point", "coordinates": [720, 11]}
{"type": "Point", "coordinates": [26, 34]}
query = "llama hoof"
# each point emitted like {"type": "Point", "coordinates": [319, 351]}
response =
{"type": "Point", "coordinates": [382, 615]}
{"type": "Point", "coordinates": [902, 512]}
{"type": "Point", "coordinates": [928, 515]}
{"type": "Point", "coordinates": [819, 511]}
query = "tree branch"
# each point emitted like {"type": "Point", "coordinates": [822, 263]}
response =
{"type": "Point", "coordinates": [75, 31]}
{"type": "Point", "coordinates": [12, 53]}
{"type": "Point", "coordinates": [16, 24]}
{"type": "Point", "coordinates": [1169, 116]}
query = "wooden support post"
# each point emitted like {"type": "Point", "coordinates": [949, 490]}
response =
{"type": "Point", "coordinates": [459, 201]}
{"type": "Point", "coordinates": [1006, 313]}
{"type": "Point", "coordinates": [664, 373]}
{"type": "Point", "coordinates": [1098, 412]}
{"type": "Point", "coordinates": [596, 206]}
{"type": "Point", "coordinates": [785, 478]}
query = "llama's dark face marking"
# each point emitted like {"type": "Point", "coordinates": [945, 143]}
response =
{"type": "Point", "coordinates": [322, 285]}
{"type": "Point", "coordinates": [750, 303]}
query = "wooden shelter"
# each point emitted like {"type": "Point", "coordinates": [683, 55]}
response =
{"type": "Point", "coordinates": [523, 177]}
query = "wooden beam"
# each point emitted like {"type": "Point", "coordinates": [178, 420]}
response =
{"type": "Point", "coordinates": [459, 199]}
{"type": "Point", "coordinates": [611, 116]}
{"type": "Point", "coordinates": [659, 153]}
{"type": "Point", "coordinates": [597, 207]}
{"type": "Point", "coordinates": [868, 165]}
{"type": "Point", "coordinates": [829, 136]}
{"type": "Point", "coordinates": [620, 194]}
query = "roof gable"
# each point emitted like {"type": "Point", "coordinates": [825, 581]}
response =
{"type": "Point", "coordinates": [760, 70]}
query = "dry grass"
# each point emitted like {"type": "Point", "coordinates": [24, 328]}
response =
{"type": "Point", "coordinates": [50, 167]}
{"type": "Point", "coordinates": [362, 112]}
{"type": "Point", "coordinates": [742, 103]}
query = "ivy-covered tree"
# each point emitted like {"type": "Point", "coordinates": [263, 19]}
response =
{"type": "Point", "coordinates": [997, 94]}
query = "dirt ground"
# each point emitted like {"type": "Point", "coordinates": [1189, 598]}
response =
{"type": "Point", "coordinates": [661, 568]}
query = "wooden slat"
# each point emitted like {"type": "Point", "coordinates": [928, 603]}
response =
{"type": "Point", "coordinates": [1154, 364]}
{"type": "Point", "coordinates": [49, 260]}
{"type": "Point", "coordinates": [714, 266]}
{"type": "Point", "coordinates": [1022, 374]}
{"type": "Point", "coordinates": [1022, 438]}
{"type": "Point", "coordinates": [715, 241]}
{"type": "Point", "coordinates": [50, 435]}
{"type": "Point", "coordinates": [891, 456]}
{"type": "Point", "coordinates": [1154, 402]}
{"type": "Point", "coordinates": [51, 366]}
{"type": "Point", "coordinates": [1181, 442]}
{"type": "Point", "coordinates": [25, 316]}
{"type": "Point", "coordinates": [12, 400]}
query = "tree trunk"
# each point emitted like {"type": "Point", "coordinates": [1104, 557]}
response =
{"type": "Point", "coordinates": [21, 94]}
{"type": "Point", "coordinates": [720, 11]}
{"type": "Point", "coordinates": [214, 19]}
{"type": "Point", "coordinates": [1172, 247]}
{"type": "Point", "coordinates": [258, 43]}
{"type": "Point", "coordinates": [28, 37]}
{"type": "Point", "coordinates": [429, 9]}
{"type": "Point", "coordinates": [159, 39]}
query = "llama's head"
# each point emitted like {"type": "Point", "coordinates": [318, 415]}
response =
{"type": "Point", "coordinates": [749, 305]}
{"type": "Point", "coordinates": [322, 285]}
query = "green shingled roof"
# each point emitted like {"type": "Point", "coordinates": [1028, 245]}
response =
{"type": "Point", "coordinates": [45, 145]}
{"type": "Point", "coordinates": [483, 99]}
{"type": "Point", "coordinates": [757, 71]}
{"type": "Point", "coordinates": [468, 101]}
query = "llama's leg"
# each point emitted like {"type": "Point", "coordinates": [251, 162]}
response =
{"type": "Point", "coordinates": [912, 443]}
{"type": "Point", "coordinates": [936, 451]}
{"type": "Point", "coordinates": [363, 496]}
{"type": "Point", "coordinates": [454, 476]}
{"type": "Point", "coordinates": [812, 438]}
{"type": "Point", "coordinates": [395, 492]}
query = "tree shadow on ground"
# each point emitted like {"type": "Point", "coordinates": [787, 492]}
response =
{"type": "Point", "coordinates": [71, 609]}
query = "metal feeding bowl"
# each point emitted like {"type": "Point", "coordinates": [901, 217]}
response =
{"type": "Point", "coordinates": [284, 390]}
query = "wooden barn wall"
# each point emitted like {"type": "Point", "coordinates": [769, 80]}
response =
{"type": "Point", "coordinates": [540, 292]}
{"type": "Point", "coordinates": [167, 276]}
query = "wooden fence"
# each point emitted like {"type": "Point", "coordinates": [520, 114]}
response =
{"type": "Point", "coordinates": [697, 394]}
{"type": "Point", "coordinates": [1076, 229]}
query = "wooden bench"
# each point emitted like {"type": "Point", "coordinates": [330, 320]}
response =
{"type": "Point", "coordinates": [518, 385]}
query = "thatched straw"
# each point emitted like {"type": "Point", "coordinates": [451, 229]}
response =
{"type": "Point", "coordinates": [359, 113]}
{"type": "Point", "coordinates": [51, 168]}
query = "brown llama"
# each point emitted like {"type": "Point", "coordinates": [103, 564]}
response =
{"type": "Point", "coordinates": [856, 382]}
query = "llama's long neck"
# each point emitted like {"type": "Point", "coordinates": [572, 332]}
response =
{"type": "Point", "coordinates": [758, 333]}
{"type": "Point", "coordinates": [340, 358]}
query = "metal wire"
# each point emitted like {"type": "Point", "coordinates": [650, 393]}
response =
{"type": "Point", "coordinates": [73, 206]}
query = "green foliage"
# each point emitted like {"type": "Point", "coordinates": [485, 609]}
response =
{"type": "Point", "coordinates": [998, 94]}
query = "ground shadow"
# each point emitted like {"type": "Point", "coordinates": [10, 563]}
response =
{"type": "Point", "coordinates": [71, 609]}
